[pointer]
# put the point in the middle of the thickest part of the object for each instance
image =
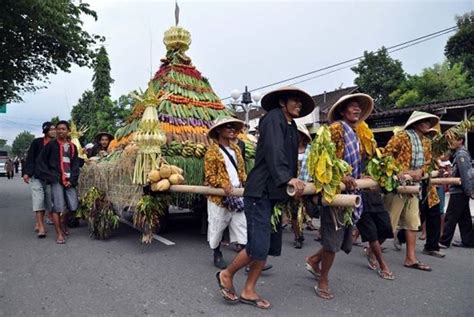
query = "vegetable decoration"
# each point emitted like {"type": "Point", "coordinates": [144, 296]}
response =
{"type": "Point", "coordinates": [324, 167]}
{"type": "Point", "coordinates": [383, 169]}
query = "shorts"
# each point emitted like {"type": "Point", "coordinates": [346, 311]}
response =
{"type": "Point", "coordinates": [64, 199]}
{"type": "Point", "coordinates": [404, 211]}
{"type": "Point", "coordinates": [261, 240]}
{"type": "Point", "coordinates": [40, 195]}
{"type": "Point", "coordinates": [219, 218]}
{"type": "Point", "coordinates": [375, 226]}
{"type": "Point", "coordinates": [333, 237]}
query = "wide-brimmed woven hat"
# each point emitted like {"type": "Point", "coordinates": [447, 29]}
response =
{"type": "Point", "coordinates": [417, 116]}
{"type": "Point", "coordinates": [365, 102]}
{"type": "Point", "coordinates": [212, 133]}
{"type": "Point", "coordinates": [303, 129]}
{"type": "Point", "coordinates": [272, 99]}
{"type": "Point", "coordinates": [100, 134]}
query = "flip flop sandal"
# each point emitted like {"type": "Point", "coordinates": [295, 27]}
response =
{"type": "Point", "coordinates": [41, 235]}
{"type": "Point", "coordinates": [419, 266]}
{"type": "Point", "coordinates": [255, 302]}
{"type": "Point", "coordinates": [386, 275]}
{"type": "Point", "coordinates": [324, 293]}
{"type": "Point", "coordinates": [311, 270]}
{"type": "Point", "coordinates": [61, 241]}
{"type": "Point", "coordinates": [226, 291]}
{"type": "Point", "coordinates": [372, 263]}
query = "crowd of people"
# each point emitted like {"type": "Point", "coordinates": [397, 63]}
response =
{"type": "Point", "coordinates": [53, 164]}
{"type": "Point", "coordinates": [52, 168]}
{"type": "Point", "coordinates": [281, 160]}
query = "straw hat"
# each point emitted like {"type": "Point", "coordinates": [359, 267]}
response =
{"type": "Point", "coordinates": [212, 133]}
{"type": "Point", "coordinates": [272, 99]}
{"type": "Point", "coordinates": [302, 128]}
{"type": "Point", "coordinates": [101, 134]}
{"type": "Point", "coordinates": [366, 104]}
{"type": "Point", "coordinates": [417, 116]}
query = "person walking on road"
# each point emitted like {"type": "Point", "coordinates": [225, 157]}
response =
{"type": "Point", "coordinates": [9, 168]}
{"type": "Point", "coordinates": [411, 150]}
{"type": "Point", "coordinates": [276, 167]}
{"type": "Point", "coordinates": [40, 192]}
{"type": "Point", "coordinates": [458, 212]}
{"type": "Point", "coordinates": [58, 166]}
{"type": "Point", "coordinates": [224, 168]}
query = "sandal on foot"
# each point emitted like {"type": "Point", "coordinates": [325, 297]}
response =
{"type": "Point", "coordinates": [418, 266]}
{"type": "Point", "coordinates": [372, 263]}
{"type": "Point", "coordinates": [60, 241]}
{"type": "Point", "coordinates": [227, 293]}
{"type": "Point", "coordinates": [324, 293]}
{"type": "Point", "coordinates": [259, 302]}
{"type": "Point", "coordinates": [311, 270]}
{"type": "Point", "coordinates": [386, 275]}
{"type": "Point", "coordinates": [41, 235]}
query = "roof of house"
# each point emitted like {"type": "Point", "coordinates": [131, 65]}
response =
{"type": "Point", "coordinates": [325, 100]}
{"type": "Point", "coordinates": [428, 107]}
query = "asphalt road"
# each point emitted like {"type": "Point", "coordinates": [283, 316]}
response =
{"type": "Point", "coordinates": [121, 277]}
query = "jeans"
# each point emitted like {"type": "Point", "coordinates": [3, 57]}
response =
{"type": "Point", "coordinates": [458, 213]}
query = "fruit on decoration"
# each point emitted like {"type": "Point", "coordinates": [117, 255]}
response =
{"type": "Point", "coordinates": [324, 167]}
{"type": "Point", "coordinates": [154, 176]}
{"type": "Point", "coordinates": [161, 179]}
{"type": "Point", "coordinates": [75, 134]}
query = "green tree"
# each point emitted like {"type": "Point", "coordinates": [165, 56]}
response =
{"type": "Point", "coordinates": [54, 120]}
{"type": "Point", "coordinates": [21, 143]}
{"type": "Point", "coordinates": [3, 142]}
{"type": "Point", "coordinates": [38, 38]}
{"type": "Point", "coordinates": [437, 83]}
{"type": "Point", "coordinates": [101, 80]}
{"type": "Point", "coordinates": [379, 75]}
{"type": "Point", "coordinates": [460, 46]}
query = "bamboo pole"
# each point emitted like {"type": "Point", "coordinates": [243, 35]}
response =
{"type": "Point", "coordinates": [340, 200]}
{"type": "Point", "coordinates": [409, 190]}
{"type": "Point", "coordinates": [204, 190]}
{"type": "Point", "coordinates": [446, 181]}
{"type": "Point", "coordinates": [364, 183]}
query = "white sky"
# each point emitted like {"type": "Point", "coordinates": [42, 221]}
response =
{"type": "Point", "coordinates": [238, 43]}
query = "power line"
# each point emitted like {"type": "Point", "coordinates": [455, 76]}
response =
{"type": "Point", "coordinates": [351, 65]}
{"type": "Point", "coordinates": [393, 48]}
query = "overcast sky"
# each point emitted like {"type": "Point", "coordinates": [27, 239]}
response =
{"type": "Point", "coordinates": [238, 43]}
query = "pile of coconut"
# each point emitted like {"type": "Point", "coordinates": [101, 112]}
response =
{"type": "Point", "coordinates": [167, 175]}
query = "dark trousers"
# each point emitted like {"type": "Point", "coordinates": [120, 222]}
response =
{"type": "Point", "coordinates": [432, 218]}
{"type": "Point", "coordinates": [458, 213]}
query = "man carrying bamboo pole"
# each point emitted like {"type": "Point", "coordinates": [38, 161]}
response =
{"type": "Point", "coordinates": [276, 167]}
{"type": "Point", "coordinates": [412, 152]}
{"type": "Point", "coordinates": [352, 144]}
{"type": "Point", "coordinates": [224, 168]}
{"type": "Point", "coordinates": [458, 212]}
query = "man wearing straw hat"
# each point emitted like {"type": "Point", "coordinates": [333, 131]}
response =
{"type": "Point", "coordinates": [224, 168]}
{"type": "Point", "coordinates": [412, 152]}
{"type": "Point", "coordinates": [101, 144]}
{"type": "Point", "coordinates": [276, 167]}
{"type": "Point", "coordinates": [349, 133]}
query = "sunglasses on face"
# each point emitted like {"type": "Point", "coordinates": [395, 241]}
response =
{"type": "Point", "coordinates": [230, 127]}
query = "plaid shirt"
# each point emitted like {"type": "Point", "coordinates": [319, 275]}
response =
{"type": "Point", "coordinates": [233, 203]}
{"type": "Point", "coordinates": [304, 173]}
{"type": "Point", "coordinates": [417, 157]}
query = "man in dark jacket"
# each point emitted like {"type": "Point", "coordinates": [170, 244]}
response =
{"type": "Point", "coordinates": [276, 164]}
{"type": "Point", "coordinates": [58, 165]}
{"type": "Point", "coordinates": [40, 197]}
{"type": "Point", "coordinates": [458, 212]}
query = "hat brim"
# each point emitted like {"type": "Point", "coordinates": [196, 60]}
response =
{"type": "Point", "coordinates": [365, 102]}
{"type": "Point", "coordinates": [212, 133]}
{"type": "Point", "coordinates": [101, 134]}
{"type": "Point", "coordinates": [272, 100]}
{"type": "Point", "coordinates": [434, 120]}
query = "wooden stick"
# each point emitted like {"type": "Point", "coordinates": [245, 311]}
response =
{"type": "Point", "coordinates": [446, 181]}
{"type": "Point", "coordinates": [364, 183]}
{"type": "Point", "coordinates": [409, 190]}
{"type": "Point", "coordinates": [204, 190]}
{"type": "Point", "coordinates": [340, 200]}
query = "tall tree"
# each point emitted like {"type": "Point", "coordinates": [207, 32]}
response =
{"type": "Point", "coordinates": [54, 120]}
{"type": "Point", "coordinates": [3, 142]}
{"type": "Point", "coordinates": [21, 143]}
{"type": "Point", "coordinates": [379, 75]}
{"type": "Point", "coordinates": [101, 78]}
{"type": "Point", "coordinates": [437, 83]}
{"type": "Point", "coordinates": [38, 38]}
{"type": "Point", "coordinates": [460, 46]}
